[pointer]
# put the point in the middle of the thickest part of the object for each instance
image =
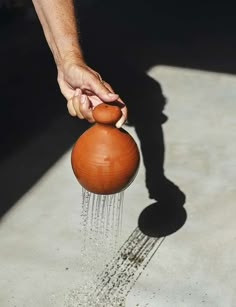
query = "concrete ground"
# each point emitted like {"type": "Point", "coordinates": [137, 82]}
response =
{"type": "Point", "coordinates": [41, 241]}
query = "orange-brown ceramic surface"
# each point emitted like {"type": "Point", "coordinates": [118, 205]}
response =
{"type": "Point", "coordinates": [105, 159]}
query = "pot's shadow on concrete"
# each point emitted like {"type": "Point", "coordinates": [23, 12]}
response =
{"type": "Point", "coordinates": [166, 216]}
{"type": "Point", "coordinates": [161, 221]}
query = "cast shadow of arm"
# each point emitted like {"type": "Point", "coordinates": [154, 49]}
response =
{"type": "Point", "coordinates": [145, 101]}
{"type": "Point", "coordinates": [146, 104]}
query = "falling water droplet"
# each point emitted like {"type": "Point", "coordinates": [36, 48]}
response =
{"type": "Point", "coordinates": [101, 226]}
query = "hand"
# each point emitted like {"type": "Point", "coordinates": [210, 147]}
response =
{"type": "Point", "coordinates": [84, 89]}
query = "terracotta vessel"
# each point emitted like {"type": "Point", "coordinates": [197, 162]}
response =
{"type": "Point", "coordinates": [105, 159]}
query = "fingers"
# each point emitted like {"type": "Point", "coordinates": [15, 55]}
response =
{"type": "Point", "coordinates": [84, 89]}
{"type": "Point", "coordinates": [99, 88]}
{"type": "Point", "coordinates": [86, 109]}
{"type": "Point", "coordinates": [123, 118]}
{"type": "Point", "coordinates": [70, 107]}
{"type": "Point", "coordinates": [122, 105]}
{"type": "Point", "coordinates": [73, 104]}
{"type": "Point", "coordinates": [124, 111]}
{"type": "Point", "coordinates": [80, 106]}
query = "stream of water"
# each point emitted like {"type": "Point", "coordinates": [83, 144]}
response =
{"type": "Point", "coordinates": [120, 267]}
{"type": "Point", "coordinates": [101, 220]}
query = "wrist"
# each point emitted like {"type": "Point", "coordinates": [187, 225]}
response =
{"type": "Point", "coordinates": [72, 60]}
{"type": "Point", "coordinates": [68, 52]}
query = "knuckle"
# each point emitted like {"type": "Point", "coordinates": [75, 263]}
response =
{"type": "Point", "coordinates": [80, 115]}
{"type": "Point", "coordinates": [70, 108]}
{"type": "Point", "coordinates": [99, 76]}
{"type": "Point", "coordinates": [71, 112]}
{"type": "Point", "coordinates": [84, 86]}
{"type": "Point", "coordinates": [75, 101]}
{"type": "Point", "coordinates": [92, 79]}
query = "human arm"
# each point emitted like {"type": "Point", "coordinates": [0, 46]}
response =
{"type": "Point", "coordinates": [81, 85]}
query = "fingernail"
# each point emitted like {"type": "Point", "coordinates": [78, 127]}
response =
{"type": "Point", "coordinates": [76, 92]}
{"type": "Point", "coordinates": [83, 99]}
{"type": "Point", "coordinates": [119, 124]}
{"type": "Point", "coordinates": [112, 94]}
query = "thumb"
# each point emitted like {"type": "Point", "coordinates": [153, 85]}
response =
{"type": "Point", "coordinates": [100, 90]}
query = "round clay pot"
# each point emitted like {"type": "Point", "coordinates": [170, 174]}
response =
{"type": "Point", "coordinates": [105, 159]}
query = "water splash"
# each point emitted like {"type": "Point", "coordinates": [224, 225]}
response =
{"type": "Point", "coordinates": [114, 283]}
{"type": "Point", "coordinates": [119, 276]}
{"type": "Point", "coordinates": [101, 226]}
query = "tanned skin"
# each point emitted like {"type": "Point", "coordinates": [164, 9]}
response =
{"type": "Point", "coordinates": [82, 86]}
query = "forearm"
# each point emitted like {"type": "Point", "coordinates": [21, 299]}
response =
{"type": "Point", "coordinates": [58, 20]}
{"type": "Point", "coordinates": [82, 86]}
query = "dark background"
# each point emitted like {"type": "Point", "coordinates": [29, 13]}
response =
{"type": "Point", "coordinates": [122, 40]}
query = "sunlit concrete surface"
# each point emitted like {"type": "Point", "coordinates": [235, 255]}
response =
{"type": "Point", "coordinates": [195, 266]}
